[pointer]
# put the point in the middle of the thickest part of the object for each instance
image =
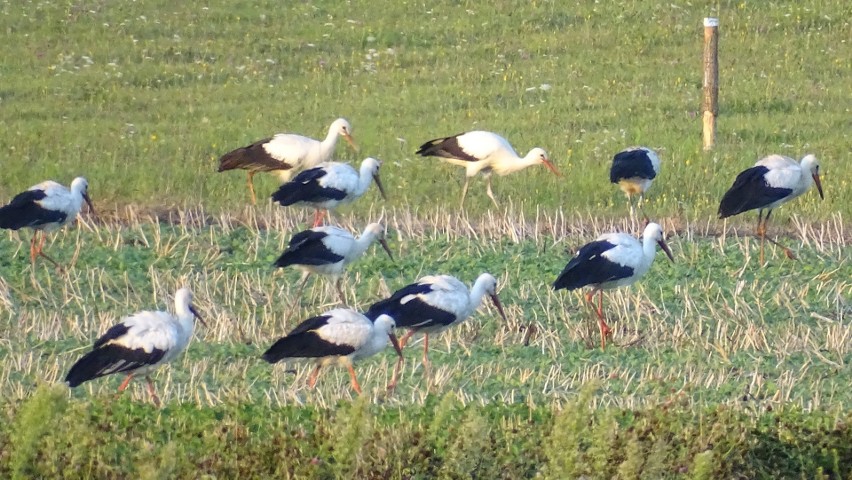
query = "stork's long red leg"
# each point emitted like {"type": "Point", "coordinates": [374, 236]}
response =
{"type": "Point", "coordinates": [355, 385]}
{"type": "Point", "coordinates": [464, 191]}
{"type": "Point", "coordinates": [54, 262]}
{"type": "Point", "coordinates": [761, 232]}
{"type": "Point", "coordinates": [125, 383]}
{"type": "Point", "coordinates": [404, 339]}
{"type": "Point", "coordinates": [339, 285]}
{"type": "Point", "coordinates": [605, 330]}
{"type": "Point", "coordinates": [250, 182]}
{"type": "Point", "coordinates": [426, 350]}
{"type": "Point", "coordinates": [152, 392]}
{"type": "Point", "coordinates": [305, 276]}
{"type": "Point", "coordinates": [33, 252]}
{"type": "Point", "coordinates": [40, 252]}
{"type": "Point", "coordinates": [312, 380]}
{"type": "Point", "coordinates": [319, 215]}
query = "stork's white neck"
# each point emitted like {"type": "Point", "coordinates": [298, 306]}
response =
{"type": "Point", "coordinates": [649, 250]}
{"type": "Point", "coordinates": [328, 144]}
{"type": "Point", "coordinates": [365, 178]}
{"type": "Point", "coordinates": [477, 292]}
{"type": "Point", "coordinates": [184, 316]}
{"type": "Point", "coordinates": [362, 243]}
{"type": "Point", "coordinates": [515, 163]}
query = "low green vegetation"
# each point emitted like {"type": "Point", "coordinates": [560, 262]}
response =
{"type": "Point", "coordinates": [143, 97]}
{"type": "Point", "coordinates": [443, 438]}
{"type": "Point", "coordinates": [712, 355]}
{"type": "Point", "coordinates": [719, 367]}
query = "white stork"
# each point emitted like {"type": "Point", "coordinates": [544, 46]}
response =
{"type": "Point", "coordinates": [338, 336]}
{"type": "Point", "coordinates": [45, 207]}
{"type": "Point", "coordinates": [613, 260]}
{"type": "Point", "coordinates": [139, 344]}
{"type": "Point", "coordinates": [483, 152]}
{"type": "Point", "coordinates": [634, 170]}
{"type": "Point", "coordinates": [328, 251]}
{"type": "Point", "coordinates": [286, 154]}
{"type": "Point", "coordinates": [772, 181]}
{"type": "Point", "coordinates": [435, 303]}
{"type": "Point", "coordinates": [328, 185]}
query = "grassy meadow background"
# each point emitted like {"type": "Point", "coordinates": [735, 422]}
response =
{"type": "Point", "coordinates": [720, 368]}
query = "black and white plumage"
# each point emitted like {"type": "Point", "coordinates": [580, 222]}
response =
{"type": "Point", "coordinates": [139, 344]}
{"type": "Point", "coordinates": [286, 154]}
{"type": "Point", "coordinates": [435, 303]}
{"type": "Point", "coordinates": [45, 207]}
{"type": "Point", "coordinates": [340, 336]}
{"type": "Point", "coordinates": [771, 182]}
{"type": "Point", "coordinates": [634, 170]}
{"type": "Point", "coordinates": [328, 250]}
{"type": "Point", "coordinates": [328, 185]}
{"type": "Point", "coordinates": [613, 260]}
{"type": "Point", "coordinates": [483, 152]}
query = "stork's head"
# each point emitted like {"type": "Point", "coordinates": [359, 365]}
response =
{"type": "Point", "coordinates": [489, 284]}
{"type": "Point", "coordinates": [342, 127]}
{"type": "Point", "coordinates": [379, 232]}
{"type": "Point", "coordinates": [80, 186]}
{"type": "Point", "coordinates": [370, 166]}
{"type": "Point", "coordinates": [183, 301]}
{"type": "Point", "coordinates": [654, 232]}
{"type": "Point", "coordinates": [811, 164]}
{"type": "Point", "coordinates": [540, 156]}
{"type": "Point", "coordinates": [385, 324]}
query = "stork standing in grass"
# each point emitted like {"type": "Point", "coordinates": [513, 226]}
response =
{"type": "Point", "coordinates": [613, 260]}
{"type": "Point", "coordinates": [286, 154]}
{"type": "Point", "coordinates": [139, 344]}
{"type": "Point", "coordinates": [772, 181]}
{"type": "Point", "coordinates": [340, 336]}
{"type": "Point", "coordinates": [483, 152]}
{"type": "Point", "coordinates": [45, 207]}
{"type": "Point", "coordinates": [328, 185]}
{"type": "Point", "coordinates": [634, 170]}
{"type": "Point", "coordinates": [435, 303]}
{"type": "Point", "coordinates": [328, 251]}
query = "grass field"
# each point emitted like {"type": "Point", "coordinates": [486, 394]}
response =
{"type": "Point", "coordinates": [721, 368]}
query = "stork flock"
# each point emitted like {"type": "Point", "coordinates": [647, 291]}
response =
{"type": "Point", "coordinates": [141, 342]}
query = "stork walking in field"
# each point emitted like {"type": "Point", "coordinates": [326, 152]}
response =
{"type": "Point", "coordinates": [613, 260]}
{"type": "Point", "coordinates": [285, 154]}
{"type": "Point", "coordinates": [771, 182]}
{"type": "Point", "coordinates": [339, 336]}
{"type": "Point", "coordinates": [435, 303]}
{"type": "Point", "coordinates": [634, 170]}
{"type": "Point", "coordinates": [139, 344]}
{"type": "Point", "coordinates": [483, 152]}
{"type": "Point", "coordinates": [328, 185]}
{"type": "Point", "coordinates": [328, 251]}
{"type": "Point", "coordinates": [45, 207]}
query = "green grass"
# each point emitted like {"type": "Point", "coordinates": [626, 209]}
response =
{"type": "Point", "coordinates": [443, 438]}
{"type": "Point", "coordinates": [720, 368]}
{"type": "Point", "coordinates": [712, 327]}
{"type": "Point", "coordinates": [117, 92]}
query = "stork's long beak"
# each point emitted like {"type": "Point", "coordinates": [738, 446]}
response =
{"type": "Point", "coordinates": [497, 304]}
{"type": "Point", "coordinates": [379, 184]}
{"type": "Point", "coordinates": [350, 141]}
{"type": "Point", "coordinates": [92, 208]}
{"type": "Point", "coordinates": [384, 244]}
{"type": "Point", "coordinates": [395, 343]}
{"type": "Point", "coordinates": [665, 247]}
{"type": "Point", "coordinates": [195, 312]}
{"type": "Point", "coordinates": [819, 185]}
{"type": "Point", "coordinates": [551, 166]}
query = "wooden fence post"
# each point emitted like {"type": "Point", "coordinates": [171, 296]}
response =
{"type": "Point", "coordinates": [710, 105]}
